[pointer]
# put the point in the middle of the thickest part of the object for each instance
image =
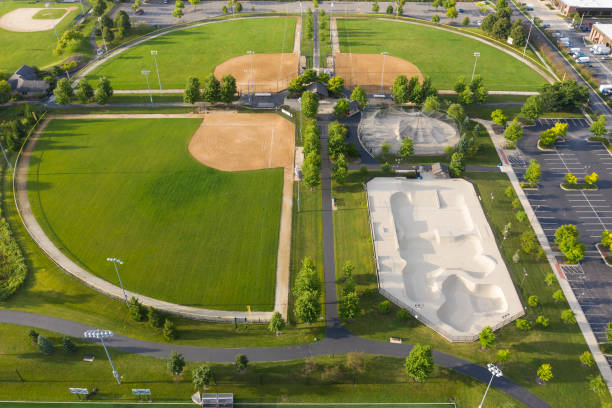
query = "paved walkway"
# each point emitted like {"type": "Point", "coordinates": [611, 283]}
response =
{"type": "Point", "coordinates": [107, 288]}
{"type": "Point", "coordinates": [315, 40]}
{"type": "Point", "coordinates": [585, 328]}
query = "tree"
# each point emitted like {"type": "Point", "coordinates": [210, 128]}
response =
{"type": "Point", "coordinates": [44, 345]}
{"type": "Point", "coordinates": [533, 172]}
{"type": "Point", "coordinates": [136, 309]}
{"type": "Point", "coordinates": [503, 356]}
{"type": "Point", "coordinates": [498, 117]}
{"type": "Point", "coordinates": [227, 91]}
{"type": "Point", "coordinates": [400, 89]}
{"type": "Point", "coordinates": [358, 95]}
{"type": "Point", "coordinates": [568, 316]}
{"type": "Point", "coordinates": [337, 133]}
{"type": "Point", "coordinates": [432, 104]}
{"type": "Point", "coordinates": [501, 28]}
{"type": "Point", "coordinates": [63, 92]}
{"type": "Point", "coordinates": [309, 76]}
{"type": "Point", "coordinates": [385, 148]}
{"type": "Point", "coordinates": [202, 376]}
{"type": "Point", "coordinates": [178, 11]}
{"type": "Point", "coordinates": [211, 89]}
{"type": "Point", "coordinates": [389, 9]}
{"type": "Point", "coordinates": [311, 169]}
{"type": "Point", "coordinates": [340, 169]}
{"type": "Point", "coordinates": [586, 359]}
{"type": "Point", "coordinates": [488, 22]}
{"type": "Point", "coordinates": [435, 18]}
{"type": "Point", "coordinates": [307, 278]}
{"type": "Point", "coordinates": [466, 21]}
{"type": "Point", "coordinates": [307, 306]}
{"type": "Point", "coordinates": [84, 91]}
{"type": "Point", "coordinates": [336, 85]}
{"type": "Point", "coordinates": [241, 362]}
{"type": "Point", "coordinates": [99, 8]}
{"type": "Point", "coordinates": [460, 84]}
{"type": "Point", "coordinates": [455, 111]}
{"type": "Point", "coordinates": [591, 178]}
{"type": "Point", "coordinates": [136, 4]}
{"type": "Point", "coordinates": [598, 127]}
{"type": "Point", "coordinates": [123, 21]}
{"type": "Point", "coordinates": [609, 332]}
{"type": "Point", "coordinates": [558, 296]}
{"type": "Point", "coordinates": [310, 104]}
{"type": "Point", "coordinates": [68, 346]}
{"type": "Point", "coordinates": [276, 323]}
{"type": "Point", "coordinates": [104, 90]}
{"type": "Point", "coordinates": [192, 90]}
{"type": "Point", "coordinates": [407, 148]}
{"type": "Point", "coordinates": [571, 179]}
{"type": "Point", "coordinates": [523, 324]}
{"type": "Point", "coordinates": [466, 97]}
{"type": "Point", "coordinates": [514, 132]}
{"type": "Point", "coordinates": [419, 364]}
{"type": "Point", "coordinates": [375, 7]}
{"type": "Point", "coordinates": [529, 242]}
{"type": "Point", "coordinates": [176, 363]}
{"type": "Point", "coordinates": [566, 237]}
{"type": "Point", "coordinates": [549, 279]}
{"type": "Point", "coordinates": [156, 320]}
{"type": "Point", "coordinates": [518, 33]}
{"type": "Point", "coordinates": [341, 109]}
{"type": "Point", "coordinates": [564, 95]}
{"type": "Point", "coordinates": [542, 321]}
{"type": "Point", "coordinates": [532, 108]}
{"type": "Point", "coordinates": [533, 301]}
{"type": "Point", "coordinates": [480, 94]}
{"type": "Point", "coordinates": [599, 386]}
{"type": "Point", "coordinates": [223, 9]}
{"type": "Point", "coordinates": [457, 165]}
{"type": "Point", "coordinates": [547, 138]}
{"type": "Point", "coordinates": [33, 336]}
{"type": "Point", "coordinates": [545, 372]}
{"type": "Point", "coordinates": [436, 3]}
{"type": "Point", "coordinates": [486, 337]}
{"type": "Point", "coordinates": [168, 331]}
{"type": "Point", "coordinates": [606, 239]}
{"type": "Point", "coordinates": [5, 91]}
{"type": "Point", "coordinates": [69, 37]}
{"type": "Point", "coordinates": [349, 305]}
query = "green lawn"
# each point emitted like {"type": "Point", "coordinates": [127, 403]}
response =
{"type": "Point", "coordinates": [35, 48]}
{"type": "Point", "coordinates": [559, 344]}
{"type": "Point", "coordinates": [322, 379]}
{"type": "Point", "coordinates": [197, 51]}
{"type": "Point", "coordinates": [187, 233]}
{"type": "Point", "coordinates": [236, 404]}
{"type": "Point", "coordinates": [50, 14]}
{"type": "Point", "coordinates": [439, 54]}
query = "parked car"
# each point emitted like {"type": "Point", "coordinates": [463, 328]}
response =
{"type": "Point", "coordinates": [545, 25]}
{"type": "Point", "coordinates": [461, 10]}
{"type": "Point", "coordinates": [139, 12]}
{"type": "Point", "coordinates": [479, 23]}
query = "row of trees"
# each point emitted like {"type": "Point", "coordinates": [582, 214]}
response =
{"type": "Point", "coordinates": [84, 91]}
{"type": "Point", "coordinates": [405, 90]}
{"type": "Point", "coordinates": [45, 346]}
{"type": "Point", "coordinates": [349, 302]}
{"type": "Point", "coordinates": [211, 90]}
{"type": "Point", "coordinates": [121, 24]}
{"type": "Point", "coordinates": [561, 96]}
{"type": "Point", "coordinates": [550, 136]}
{"type": "Point", "coordinates": [307, 293]}
{"type": "Point", "coordinates": [342, 107]}
{"type": "Point", "coordinates": [312, 154]}
{"type": "Point", "coordinates": [153, 317]}
{"type": "Point", "coordinates": [231, 6]}
{"type": "Point", "coordinates": [472, 92]}
{"type": "Point", "coordinates": [337, 149]}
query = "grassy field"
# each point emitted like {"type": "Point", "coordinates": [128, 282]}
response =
{"type": "Point", "coordinates": [320, 379]}
{"type": "Point", "coordinates": [181, 228]}
{"type": "Point", "coordinates": [439, 54]}
{"type": "Point", "coordinates": [236, 404]}
{"type": "Point", "coordinates": [559, 344]}
{"type": "Point", "coordinates": [35, 48]}
{"type": "Point", "coordinates": [324, 39]}
{"type": "Point", "coordinates": [49, 14]}
{"type": "Point", "coordinates": [197, 51]}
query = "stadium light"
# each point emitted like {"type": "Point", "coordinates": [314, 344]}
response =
{"type": "Point", "coordinates": [101, 335]}
{"type": "Point", "coordinates": [101, 33]}
{"type": "Point", "coordinates": [495, 372]}
{"type": "Point", "coordinates": [476, 55]}
{"type": "Point", "coordinates": [154, 54]}
{"type": "Point", "coordinates": [382, 77]}
{"type": "Point", "coordinates": [116, 261]}
{"type": "Point", "coordinates": [528, 36]}
{"type": "Point", "coordinates": [146, 73]}
{"type": "Point", "coordinates": [252, 84]}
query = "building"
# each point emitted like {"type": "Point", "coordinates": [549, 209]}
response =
{"type": "Point", "coordinates": [353, 108]}
{"type": "Point", "coordinates": [319, 89]}
{"type": "Point", "coordinates": [588, 7]}
{"type": "Point", "coordinates": [601, 34]}
{"type": "Point", "coordinates": [25, 82]}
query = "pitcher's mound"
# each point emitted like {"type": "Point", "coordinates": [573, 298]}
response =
{"type": "Point", "coordinates": [365, 70]}
{"type": "Point", "coordinates": [232, 141]}
{"type": "Point", "coordinates": [271, 72]}
{"type": "Point", "coordinates": [21, 20]}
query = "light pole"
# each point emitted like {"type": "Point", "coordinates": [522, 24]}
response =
{"type": "Point", "coordinates": [154, 54]}
{"type": "Point", "coordinates": [101, 33]}
{"type": "Point", "coordinates": [246, 71]}
{"type": "Point", "coordinates": [382, 77]}
{"type": "Point", "coordinates": [299, 176]}
{"type": "Point", "coordinates": [300, 103]}
{"type": "Point", "coordinates": [116, 261]}
{"type": "Point", "coordinates": [495, 372]}
{"type": "Point", "coordinates": [476, 55]}
{"type": "Point", "coordinates": [330, 22]}
{"type": "Point", "coordinates": [524, 276]}
{"type": "Point", "coordinates": [102, 334]}
{"type": "Point", "coordinates": [527, 42]}
{"type": "Point", "coordinates": [252, 84]}
{"type": "Point", "coordinates": [146, 74]}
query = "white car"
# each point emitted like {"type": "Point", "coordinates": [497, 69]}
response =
{"type": "Point", "coordinates": [479, 23]}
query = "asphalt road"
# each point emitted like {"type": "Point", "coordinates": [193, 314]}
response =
{"type": "Point", "coordinates": [590, 211]}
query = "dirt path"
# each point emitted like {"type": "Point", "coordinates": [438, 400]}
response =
{"type": "Point", "coordinates": [101, 285]}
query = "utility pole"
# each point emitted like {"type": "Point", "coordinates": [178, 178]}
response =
{"type": "Point", "coordinates": [495, 372]}
{"type": "Point", "coordinates": [154, 54]}
{"type": "Point", "coordinates": [102, 334]}
{"type": "Point", "coordinates": [476, 55]}
{"type": "Point", "coordinates": [116, 261]}
{"type": "Point", "coordinates": [146, 74]}
{"type": "Point", "coordinates": [252, 84]}
{"type": "Point", "coordinates": [101, 33]}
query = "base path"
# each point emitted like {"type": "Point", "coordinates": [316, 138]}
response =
{"type": "Point", "coordinates": [42, 240]}
{"type": "Point", "coordinates": [20, 20]}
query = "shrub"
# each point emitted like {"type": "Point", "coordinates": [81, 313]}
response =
{"type": "Point", "coordinates": [419, 364]}
{"type": "Point", "coordinates": [403, 314]}
{"type": "Point", "coordinates": [156, 320]}
{"type": "Point", "coordinates": [568, 316]}
{"type": "Point", "coordinates": [176, 363]}
{"type": "Point", "coordinates": [521, 216]}
{"type": "Point", "coordinates": [33, 336]}
{"type": "Point", "coordinates": [599, 386]}
{"type": "Point", "coordinates": [202, 376]}
{"type": "Point", "coordinates": [523, 324]}
{"type": "Point", "coordinates": [586, 359]}
{"type": "Point", "coordinates": [558, 296]}
{"type": "Point", "coordinates": [384, 307]}
{"type": "Point", "coordinates": [136, 309]}
{"type": "Point", "coordinates": [386, 167]}
{"type": "Point", "coordinates": [276, 323]}
{"type": "Point", "coordinates": [549, 279]}
{"type": "Point", "coordinates": [509, 192]}
{"type": "Point", "coordinates": [68, 345]}
{"type": "Point", "coordinates": [44, 345]}
{"type": "Point", "coordinates": [545, 372]}
{"type": "Point", "coordinates": [503, 356]}
{"type": "Point", "coordinates": [516, 203]}
{"type": "Point", "coordinates": [542, 321]}
{"type": "Point", "coordinates": [487, 337]}
{"type": "Point", "coordinates": [349, 305]}
{"type": "Point", "coordinates": [168, 331]}
{"type": "Point", "coordinates": [241, 362]}
{"type": "Point", "coordinates": [533, 301]}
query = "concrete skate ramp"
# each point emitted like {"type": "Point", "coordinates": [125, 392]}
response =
{"type": "Point", "coordinates": [437, 256]}
{"type": "Point", "coordinates": [429, 132]}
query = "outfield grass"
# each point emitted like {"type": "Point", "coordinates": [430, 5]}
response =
{"type": "Point", "coordinates": [35, 48]}
{"type": "Point", "coordinates": [50, 14]}
{"type": "Point", "coordinates": [559, 344]}
{"type": "Point", "coordinates": [187, 233]}
{"type": "Point", "coordinates": [197, 51]}
{"type": "Point", "coordinates": [439, 54]}
{"type": "Point", "coordinates": [323, 379]}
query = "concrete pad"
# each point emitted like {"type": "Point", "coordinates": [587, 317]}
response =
{"type": "Point", "coordinates": [437, 257]}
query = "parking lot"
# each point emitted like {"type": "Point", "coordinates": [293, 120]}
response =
{"type": "Point", "coordinates": [590, 211]}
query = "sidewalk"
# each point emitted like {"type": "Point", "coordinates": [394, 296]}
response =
{"type": "Point", "coordinates": [585, 328]}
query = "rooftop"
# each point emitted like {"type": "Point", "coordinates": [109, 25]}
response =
{"type": "Point", "coordinates": [606, 4]}
{"type": "Point", "coordinates": [605, 29]}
